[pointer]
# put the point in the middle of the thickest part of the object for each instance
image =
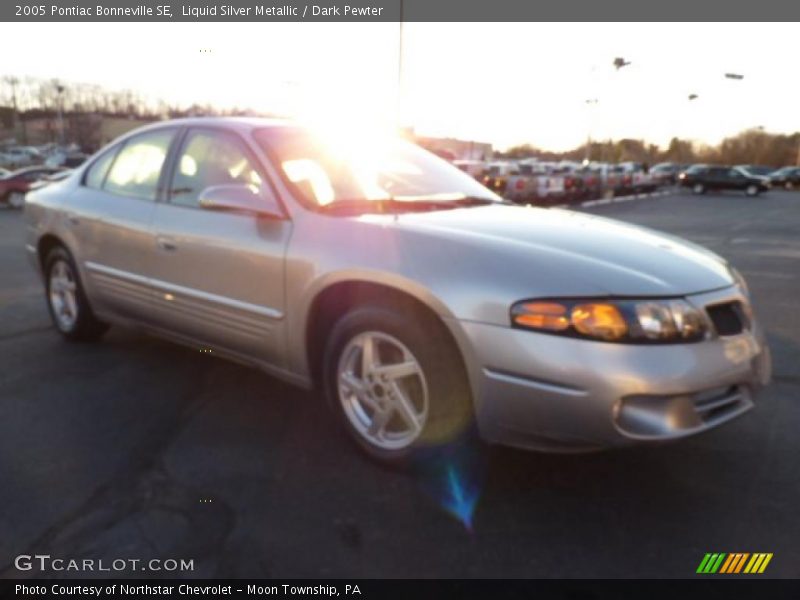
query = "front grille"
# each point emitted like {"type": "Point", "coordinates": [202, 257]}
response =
{"type": "Point", "coordinates": [728, 318]}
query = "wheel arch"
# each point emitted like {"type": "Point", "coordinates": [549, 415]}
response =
{"type": "Point", "coordinates": [336, 298]}
{"type": "Point", "coordinates": [45, 244]}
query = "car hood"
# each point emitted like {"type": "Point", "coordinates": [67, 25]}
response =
{"type": "Point", "coordinates": [552, 251]}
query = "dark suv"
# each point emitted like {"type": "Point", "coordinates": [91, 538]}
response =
{"type": "Point", "coordinates": [701, 178]}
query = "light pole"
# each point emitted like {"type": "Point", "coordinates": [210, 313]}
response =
{"type": "Point", "coordinates": [734, 76]}
{"type": "Point", "coordinates": [590, 103]}
{"type": "Point", "coordinates": [619, 62]}
{"type": "Point", "coordinates": [691, 98]}
{"type": "Point", "coordinates": [60, 91]}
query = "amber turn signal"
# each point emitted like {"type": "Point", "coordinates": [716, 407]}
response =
{"type": "Point", "coordinates": [542, 315]}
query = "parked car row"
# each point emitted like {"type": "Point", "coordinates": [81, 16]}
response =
{"type": "Point", "coordinates": [52, 155]}
{"type": "Point", "coordinates": [530, 181]}
{"type": "Point", "coordinates": [14, 185]}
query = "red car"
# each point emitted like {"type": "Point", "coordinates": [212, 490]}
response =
{"type": "Point", "coordinates": [15, 185]}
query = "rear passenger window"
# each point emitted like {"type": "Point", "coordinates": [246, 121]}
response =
{"type": "Point", "coordinates": [137, 167]}
{"type": "Point", "coordinates": [96, 174]}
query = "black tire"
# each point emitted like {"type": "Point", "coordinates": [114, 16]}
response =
{"type": "Point", "coordinates": [449, 422]}
{"type": "Point", "coordinates": [15, 200]}
{"type": "Point", "coordinates": [698, 188]}
{"type": "Point", "coordinates": [86, 327]}
{"type": "Point", "coordinates": [752, 190]}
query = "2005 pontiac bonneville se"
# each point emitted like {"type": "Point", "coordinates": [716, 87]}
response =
{"type": "Point", "coordinates": [419, 301]}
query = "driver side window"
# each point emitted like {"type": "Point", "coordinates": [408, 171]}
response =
{"type": "Point", "coordinates": [207, 159]}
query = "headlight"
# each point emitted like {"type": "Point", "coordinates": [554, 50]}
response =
{"type": "Point", "coordinates": [623, 321]}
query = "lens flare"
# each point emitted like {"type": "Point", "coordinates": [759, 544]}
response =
{"type": "Point", "coordinates": [454, 477]}
{"type": "Point", "coordinates": [461, 498]}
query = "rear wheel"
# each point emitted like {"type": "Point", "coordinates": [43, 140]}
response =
{"type": "Point", "coordinates": [789, 185]}
{"type": "Point", "coordinates": [699, 188]}
{"type": "Point", "coordinates": [69, 308]}
{"type": "Point", "coordinates": [396, 383]}
{"type": "Point", "coordinates": [752, 190]}
{"type": "Point", "coordinates": [16, 199]}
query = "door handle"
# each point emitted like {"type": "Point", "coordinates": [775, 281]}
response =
{"type": "Point", "coordinates": [167, 244]}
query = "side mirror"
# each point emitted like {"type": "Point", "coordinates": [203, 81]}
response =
{"type": "Point", "coordinates": [241, 198]}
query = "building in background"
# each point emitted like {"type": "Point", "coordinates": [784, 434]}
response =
{"type": "Point", "coordinates": [453, 149]}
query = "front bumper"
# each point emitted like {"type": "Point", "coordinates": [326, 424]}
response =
{"type": "Point", "coordinates": [548, 392]}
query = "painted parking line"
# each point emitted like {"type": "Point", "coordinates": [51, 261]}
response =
{"type": "Point", "coordinates": [616, 199]}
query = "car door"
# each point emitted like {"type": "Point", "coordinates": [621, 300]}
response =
{"type": "Point", "coordinates": [110, 215]}
{"type": "Point", "coordinates": [218, 277]}
{"type": "Point", "coordinates": [714, 178]}
{"type": "Point", "coordinates": [736, 180]}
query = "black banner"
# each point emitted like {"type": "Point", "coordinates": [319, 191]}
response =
{"type": "Point", "coordinates": [396, 10]}
{"type": "Point", "coordinates": [707, 589]}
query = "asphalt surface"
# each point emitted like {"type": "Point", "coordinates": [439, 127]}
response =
{"type": "Point", "coordinates": [134, 447]}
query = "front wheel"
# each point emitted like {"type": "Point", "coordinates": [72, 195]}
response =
{"type": "Point", "coordinates": [752, 190]}
{"type": "Point", "coordinates": [397, 383]}
{"type": "Point", "coordinates": [69, 308]}
{"type": "Point", "coordinates": [699, 188]}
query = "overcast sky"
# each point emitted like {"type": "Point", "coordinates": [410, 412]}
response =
{"type": "Point", "coordinates": [505, 83]}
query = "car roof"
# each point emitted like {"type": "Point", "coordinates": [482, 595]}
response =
{"type": "Point", "coordinates": [239, 123]}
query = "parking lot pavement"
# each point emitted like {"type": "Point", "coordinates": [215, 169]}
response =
{"type": "Point", "coordinates": [137, 448]}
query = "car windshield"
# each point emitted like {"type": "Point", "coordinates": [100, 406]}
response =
{"type": "Point", "coordinates": [387, 173]}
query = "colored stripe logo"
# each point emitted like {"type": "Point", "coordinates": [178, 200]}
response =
{"type": "Point", "coordinates": [734, 563]}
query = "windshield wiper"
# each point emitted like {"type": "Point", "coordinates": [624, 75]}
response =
{"type": "Point", "coordinates": [395, 205]}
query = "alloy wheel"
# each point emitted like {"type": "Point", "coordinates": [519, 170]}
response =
{"type": "Point", "coordinates": [383, 390]}
{"type": "Point", "coordinates": [63, 295]}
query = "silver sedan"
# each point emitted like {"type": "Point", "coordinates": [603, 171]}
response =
{"type": "Point", "coordinates": [420, 304]}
